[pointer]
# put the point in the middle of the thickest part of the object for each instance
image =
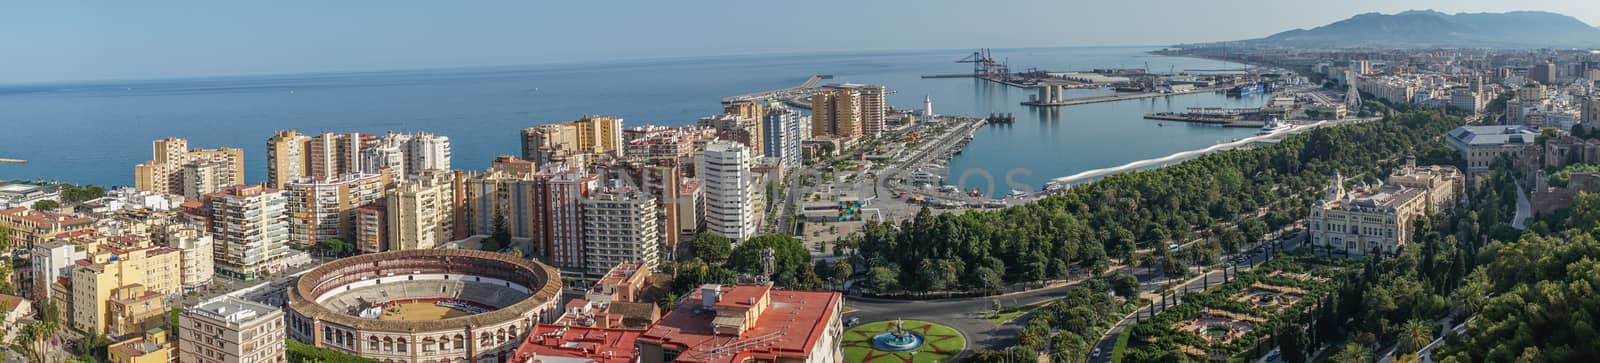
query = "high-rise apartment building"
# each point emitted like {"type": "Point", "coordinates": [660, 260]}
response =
{"type": "Point", "coordinates": [164, 172]}
{"type": "Point", "coordinates": [619, 226]}
{"type": "Point", "coordinates": [420, 212]}
{"type": "Point", "coordinates": [323, 208]}
{"type": "Point", "coordinates": [121, 275]}
{"type": "Point", "coordinates": [730, 189]}
{"type": "Point", "coordinates": [249, 228]}
{"type": "Point", "coordinates": [783, 136]}
{"type": "Point", "coordinates": [204, 177]}
{"type": "Point", "coordinates": [291, 155]}
{"type": "Point", "coordinates": [660, 181]}
{"type": "Point", "coordinates": [563, 142]}
{"type": "Point", "coordinates": [231, 330]}
{"type": "Point", "coordinates": [544, 207]}
{"type": "Point", "coordinates": [407, 154]}
{"type": "Point", "coordinates": [836, 112]}
{"type": "Point", "coordinates": [752, 129]}
{"type": "Point", "coordinates": [874, 110]}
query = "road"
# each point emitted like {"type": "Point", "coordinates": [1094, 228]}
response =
{"type": "Point", "coordinates": [963, 314]}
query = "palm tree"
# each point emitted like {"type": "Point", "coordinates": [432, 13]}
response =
{"type": "Point", "coordinates": [1352, 353]}
{"type": "Point", "coordinates": [1414, 335]}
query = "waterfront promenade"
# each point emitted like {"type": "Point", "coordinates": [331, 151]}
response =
{"type": "Point", "coordinates": [1185, 155]}
{"type": "Point", "coordinates": [1121, 97]}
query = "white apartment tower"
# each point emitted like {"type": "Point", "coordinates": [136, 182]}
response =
{"type": "Point", "coordinates": [729, 189]}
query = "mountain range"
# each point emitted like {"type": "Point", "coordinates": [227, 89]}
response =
{"type": "Point", "coordinates": [1432, 29]}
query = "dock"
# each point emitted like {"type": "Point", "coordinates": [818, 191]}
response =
{"type": "Point", "coordinates": [1115, 97]}
{"type": "Point", "coordinates": [1222, 121]}
{"type": "Point", "coordinates": [809, 85]}
{"type": "Point", "coordinates": [12, 161]}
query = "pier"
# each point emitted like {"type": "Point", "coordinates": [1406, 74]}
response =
{"type": "Point", "coordinates": [804, 88]}
{"type": "Point", "coordinates": [1116, 97]}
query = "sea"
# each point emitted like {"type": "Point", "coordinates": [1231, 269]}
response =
{"type": "Point", "coordinates": [95, 132]}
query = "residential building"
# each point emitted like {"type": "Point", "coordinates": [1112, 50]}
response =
{"type": "Point", "coordinates": [874, 110]}
{"type": "Point", "coordinates": [730, 189]}
{"type": "Point", "coordinates": [112, 283]}
{"type": "Point", "coordinates": [656, 143]}
{"type": "Point", "coordinates": [231, 330]}
{"type": "Point", "coordinates": [1544, 73]}
{"type": "Point", "coordinates": [619, 227]}
{"type": "Point", "coordinates": [576, 344]}
{"type": "Point", "coordinates": [164, 172]}
{"type": "Point", "coordinates": [249, 228]}
{"type": "Point", "coordinates": [152, 347]}
{"type": "Point", "coordinates": [743, 130]}
{"type": "Point", "coordinates": [286, 157]}
{"type": "Point", "coordinates": [29, 228]}
{"type": "Point", "coordinates": [544, 208]}
{"type": "Point", "coordinates": [323, 208]}
{"type": "Point", "coordinates": [782, 132]}
{"type": "Point", "coordinates": [292, 156]}
{"type": "Point", "coordinates": [197, 253]}
{"type": "Point", "coordinates": [1465, 100]}
{"type": "Point", "coordinates": [751, 114]}
{"type": "Point", "coordinates": [662, 182]}
{"type": "Point", "coordinates": [53, 261]}
{"type": "Point", "coordinates": [1480, 145]}
{"type": "Point", "coordinates": [12, 310]}
{"type": "Point", "coordinates": [771, 326]}
{"type": "Point", "coordinates": [1591, 110]}
{"type": "Point", "coordinates": [420, 212]}
{"type": "Point", "coordinates": [407, 154]}
{"type": "Point", "coordinates": [203, 177]}
{"type": "Point", "coordinates": [134, 310]}
{"type": "Point", "coordinates": [372, 227]}
{"type": "Point", "coordinates": [836, 112]}
{"type": "Point", "coordinates": [691, 208]}
{"type": "Point", "coordinates": [590, 135]}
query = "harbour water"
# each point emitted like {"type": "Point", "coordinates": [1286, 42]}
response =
{"type": "Point", "coordinates": [94, 132]}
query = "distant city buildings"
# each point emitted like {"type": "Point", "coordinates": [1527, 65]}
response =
{"type": "Point", "coordinates": [165, 171]}
{"type": "Point", "coordinates": [571, 142]}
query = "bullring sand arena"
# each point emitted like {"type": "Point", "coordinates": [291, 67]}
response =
{"type": "Point", "coordinates": [423, 305]}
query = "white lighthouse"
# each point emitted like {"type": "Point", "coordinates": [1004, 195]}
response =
{"type": "Point", "coordinates": [927, 106]}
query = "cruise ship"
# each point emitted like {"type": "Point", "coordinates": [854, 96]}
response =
{"type": "Point", "coordinates": [1274, 126]}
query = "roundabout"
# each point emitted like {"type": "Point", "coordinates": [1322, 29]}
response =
{"type": "Point", "coordinates": [909, 341]}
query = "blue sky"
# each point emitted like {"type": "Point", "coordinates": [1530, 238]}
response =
{"type": "Point", "coordinates": [43, 41]}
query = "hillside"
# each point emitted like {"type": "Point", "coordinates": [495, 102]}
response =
{"type": "Point", "coordinates": [1432, 29]}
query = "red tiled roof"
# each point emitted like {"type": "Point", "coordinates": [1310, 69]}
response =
{"type": "Point", "coordinates": [789, 327]}
{"type": "Point", "coordinates": [598, 345]}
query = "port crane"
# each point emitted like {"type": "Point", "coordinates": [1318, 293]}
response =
{"type": "Point", "coordinates": [984, 65]}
